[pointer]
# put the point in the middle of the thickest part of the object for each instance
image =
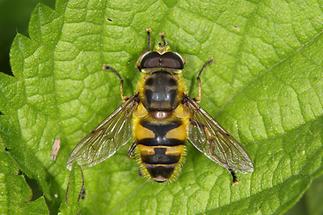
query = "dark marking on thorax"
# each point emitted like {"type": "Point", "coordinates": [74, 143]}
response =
{"type": "Point", "coordinates": [160, 91]}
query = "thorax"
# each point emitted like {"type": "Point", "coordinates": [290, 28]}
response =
{"type": "Point", "coordinates": [160, 92]}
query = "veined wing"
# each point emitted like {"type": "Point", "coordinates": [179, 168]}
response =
{"type": "Point", "coordinates": [214, 142]}
{"type": "Point", "coordinates": [107, 138]}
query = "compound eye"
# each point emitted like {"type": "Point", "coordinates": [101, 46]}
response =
{"type": "Point", "coordinates": [172, 60]}
{"type": "Point", "coordinates": [150, 60]}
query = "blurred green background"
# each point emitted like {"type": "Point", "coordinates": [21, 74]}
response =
{"type": "Point", "coordinates": [14, 17]}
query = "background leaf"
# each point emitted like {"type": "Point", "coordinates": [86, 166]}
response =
{"type": "Point", "coordinates": [15, 195]}
{"type": "Point", "coordinates": [266, 88]}
{"type": "Point", "coordinates": [14, 16]}
{"type": "Point", "coordinates": [310, 203]}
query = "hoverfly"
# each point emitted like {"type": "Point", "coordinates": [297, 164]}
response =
{"type": "Point", "coordinates": [159, 119]}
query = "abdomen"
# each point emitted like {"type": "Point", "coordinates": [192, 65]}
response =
{"type": "Point", "coordinates": [160, 147]}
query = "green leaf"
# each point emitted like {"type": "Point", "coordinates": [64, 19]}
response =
{"type": "Point", "coordinates": [15, 195]}
{"type": "Point", "coordinates": [310, 203]}
{"type": "Point", "coordinates": [11, 22]}
{"type": "Point", "coordinates": [314, 196]}
{"type": "Point", "coordinates": [266, 88]}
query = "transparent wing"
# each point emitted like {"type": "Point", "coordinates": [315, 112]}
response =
{"type": "Point", "coordinates": [107, 138]}
{"type": "Point", "coordinates": [213, 141]}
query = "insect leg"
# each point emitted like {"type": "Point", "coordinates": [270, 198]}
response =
{"type": "Point", "coordinates": [131, 151]}
{"type": "Point", "coordinates": [110, 68]}
{"type": "Point", "coordinates": [148, 30]}
{"type": "Point", "coordinates": [82, 191]}
{"type": "Point", "coordinates": [81, 195]}
{"type": "Point", "coordinates": [234, 176]}
{"type": "Point", "coordinates": [199, 82]}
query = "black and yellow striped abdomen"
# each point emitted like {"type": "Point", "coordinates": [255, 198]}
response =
{"type": "Point", "coordinates": [160, 147]}
{"type": "Point", "coordinates": [161, 155]}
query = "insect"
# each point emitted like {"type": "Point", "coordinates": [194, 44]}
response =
{"type": "Point", "coordinates": [159, 119]}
